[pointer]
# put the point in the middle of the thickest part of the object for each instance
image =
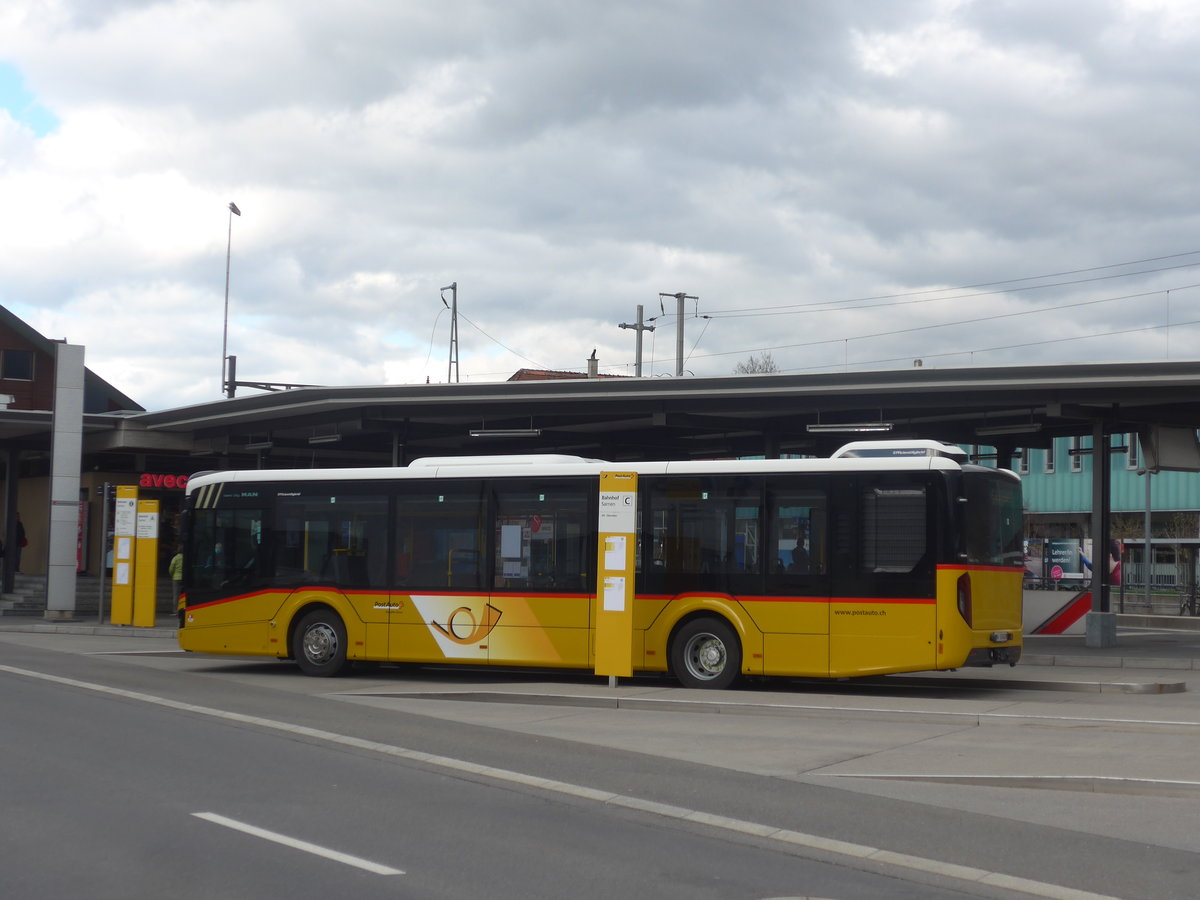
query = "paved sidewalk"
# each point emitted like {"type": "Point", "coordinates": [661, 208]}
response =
{"type": "Point", "coordinates": [164, 626]}
{"type": "Point", "coordinates": [1136, 648]}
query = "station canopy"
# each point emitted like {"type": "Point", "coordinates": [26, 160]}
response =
{"type": "Point", "coordinates": [627, 419]}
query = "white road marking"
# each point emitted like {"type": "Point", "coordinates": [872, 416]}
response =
{"type": "Point", "coordinates": [296, 844]}
{"type": "Point", "coordinates": [739, 826]}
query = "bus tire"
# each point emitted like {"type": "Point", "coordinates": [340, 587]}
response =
{"type": "Point", "coordinates": [319, 646]}
{"type": "Point", "coordinates": [706, 653]}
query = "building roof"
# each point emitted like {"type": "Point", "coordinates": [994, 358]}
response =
{"type": "Point", "coordinates": [679, 418]}
{"type": "Point", "coordinates": [552, 375]}
{"type": "Point", "coordinates": [99, 395]}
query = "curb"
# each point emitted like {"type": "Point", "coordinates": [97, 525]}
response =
{"type": "Point", "coordinates": [77, 627]}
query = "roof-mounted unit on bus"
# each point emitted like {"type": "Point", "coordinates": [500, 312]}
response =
{"type": "Point", "coordinates": [899, 449]}
{"type": "Point", "coordinates": [517, 459]}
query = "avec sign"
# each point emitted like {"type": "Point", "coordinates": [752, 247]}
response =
{"type": "Point", "coordinates": [154, 480]}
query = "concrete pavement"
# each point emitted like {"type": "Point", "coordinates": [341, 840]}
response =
{"type": "Point", "coordinates": [1050, 741]}
{"type": "Point", "coordinates": [1153, 654]}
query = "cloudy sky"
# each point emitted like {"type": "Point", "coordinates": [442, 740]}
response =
{"type": "Point", "coordinates": [839, 184]}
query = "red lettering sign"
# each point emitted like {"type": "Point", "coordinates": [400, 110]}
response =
{"type": "Point", "coordinates": [155, 480]}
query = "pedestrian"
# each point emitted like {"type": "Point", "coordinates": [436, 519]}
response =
{"type": "Point", "coordinates": [175, 570]}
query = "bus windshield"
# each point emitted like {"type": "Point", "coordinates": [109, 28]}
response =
{"type": "Point", "coordinates": [992, 526]}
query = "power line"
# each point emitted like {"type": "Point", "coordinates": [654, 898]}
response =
{"type": "Point", "coordinates": [844, 305]}
{"type": "Point", "coordinates": [1056, 340]}
{"type": "Point", "coordinates": [992, 318]}
{"type": "Point", "coordinates": [918, 328]}
{"type": "Point", "coordinates": [499, 343]}
{"type": "Point", "coordinates": [830, 304]}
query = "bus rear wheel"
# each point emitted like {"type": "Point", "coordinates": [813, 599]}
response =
{"type": "Point", "coordinates": [319, 646]}
{"type": "Point", "coordinates": [706, 653]}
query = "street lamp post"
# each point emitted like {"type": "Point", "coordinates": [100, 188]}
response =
{"type": "Point", "coordinates": [226, 387]}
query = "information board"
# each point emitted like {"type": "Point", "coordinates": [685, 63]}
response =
{"type": "Point", "coordinates": [124, 535]}
{"type": "Point", "coordinates": [615, 569]}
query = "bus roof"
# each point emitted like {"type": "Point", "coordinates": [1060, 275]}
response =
{"type": "Point", "coordinates": [900, 448]}
{"type": "Point", "coordinates": [523, 466]}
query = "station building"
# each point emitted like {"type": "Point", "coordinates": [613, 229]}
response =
{"type": "Point", "coordinates": [1155, 517]}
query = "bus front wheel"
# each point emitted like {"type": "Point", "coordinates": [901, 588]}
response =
{"type": "Point", "coordinates": [706, 653]}
{"type": "Point", "coordinates": [320, 644]}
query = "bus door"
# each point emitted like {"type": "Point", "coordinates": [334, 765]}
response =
{"type": "Point", "coordinates": [438, 605]}
{"type": "Point", "coordinates": [331, 538]}
{"type": "Point", "coordinates": [883, 613]}
{"type": "Point", "coordinates": [707, 552]}
{"type": "Point", "coordinates": [229, 582]}
{"type": "Point", "coordinates": [543, 557]}
{"type": "Point", "coordinates": [795, 614]}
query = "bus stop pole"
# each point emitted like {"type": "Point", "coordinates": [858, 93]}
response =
{"type": "Point", "coordinates": [103, 550]}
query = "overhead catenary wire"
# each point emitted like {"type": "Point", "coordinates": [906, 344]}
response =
{"type": "Point", "coordinates": [907, 298]}
{"type": "Point", "coordinates": [900, 298]}
{"type": "Point", "coordinates": [499, 343]}
{"type": "Point", "coordinates": [936, 325]}
{"type": "Point", "coordinates": [1054, 340]}
{"type": "Point", "coordinates": [432, 336]}
{"type": "Point", "coordinates": [974, 321]}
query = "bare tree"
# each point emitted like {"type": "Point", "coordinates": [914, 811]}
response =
{"type": "Point", "coordinates": [757, 365]}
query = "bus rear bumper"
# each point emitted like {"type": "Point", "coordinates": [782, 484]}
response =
{"type": "Point", "coordinates": [991, 656]}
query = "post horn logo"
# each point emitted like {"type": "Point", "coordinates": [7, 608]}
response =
{"type": "Point", "coordinates": [463, 628]}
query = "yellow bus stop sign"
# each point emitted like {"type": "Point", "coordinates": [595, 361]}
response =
{"type": "Point", "coordinates": [145, 564]}
{"type": "Point", "coordinates": [124, 536]}
{"type": "Point", "coordinates": [617, 554]}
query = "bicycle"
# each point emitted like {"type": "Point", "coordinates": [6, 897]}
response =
{"type": "Point", "coordinates": [1188, 604]}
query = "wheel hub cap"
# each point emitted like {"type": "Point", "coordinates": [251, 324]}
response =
{"type": "Point", "coordinates": [708, 657]}
{"type": "Point", "coordinates": [320, 643]}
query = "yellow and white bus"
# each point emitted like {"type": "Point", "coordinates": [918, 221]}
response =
{"type": "Point", "coordinates": [889, 557]}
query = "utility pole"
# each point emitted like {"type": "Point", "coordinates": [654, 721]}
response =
{"type": "Point", "coordinates": [452, 367]}
{"type": "Point", "coordinates": [679, 298]}
{"type": "Point", "coordinates": [640, 326]}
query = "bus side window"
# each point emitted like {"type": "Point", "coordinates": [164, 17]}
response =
{"type": "Point", "coordinates": [358, 545]}
{"type": "Point", "coordinates": [544, 536]}
{"type": "Point", "coordinates": [335, 537]}
{"type": "Point", "coordinates": [705, 533]}
{"type": "Point", "coordinates": [893, 527]}
{"type": "Point", "coordinates": [438, 534]}
{"type": "Point", "coordinates": [797, 538]}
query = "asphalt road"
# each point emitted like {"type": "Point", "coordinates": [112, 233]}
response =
{"type": "Point", "coordinates": [138, 774]}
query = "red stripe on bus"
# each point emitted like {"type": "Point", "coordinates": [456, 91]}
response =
{"type": "Point", "coordinates": [483, 595]}
{"type": "Point", "coordinates": [916, 601]}
{"type": "Point", "coordinates": [795, 598]}
{"type": "Point", "coordinates": [233, 599]}
{"type": "Point", "coordinates": [287, 592]}
{"type": "Point", "coordinates": [920, 601]}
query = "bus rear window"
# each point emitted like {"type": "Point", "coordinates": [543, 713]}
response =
{"type": "Point", "coordinates": [992, 523]}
